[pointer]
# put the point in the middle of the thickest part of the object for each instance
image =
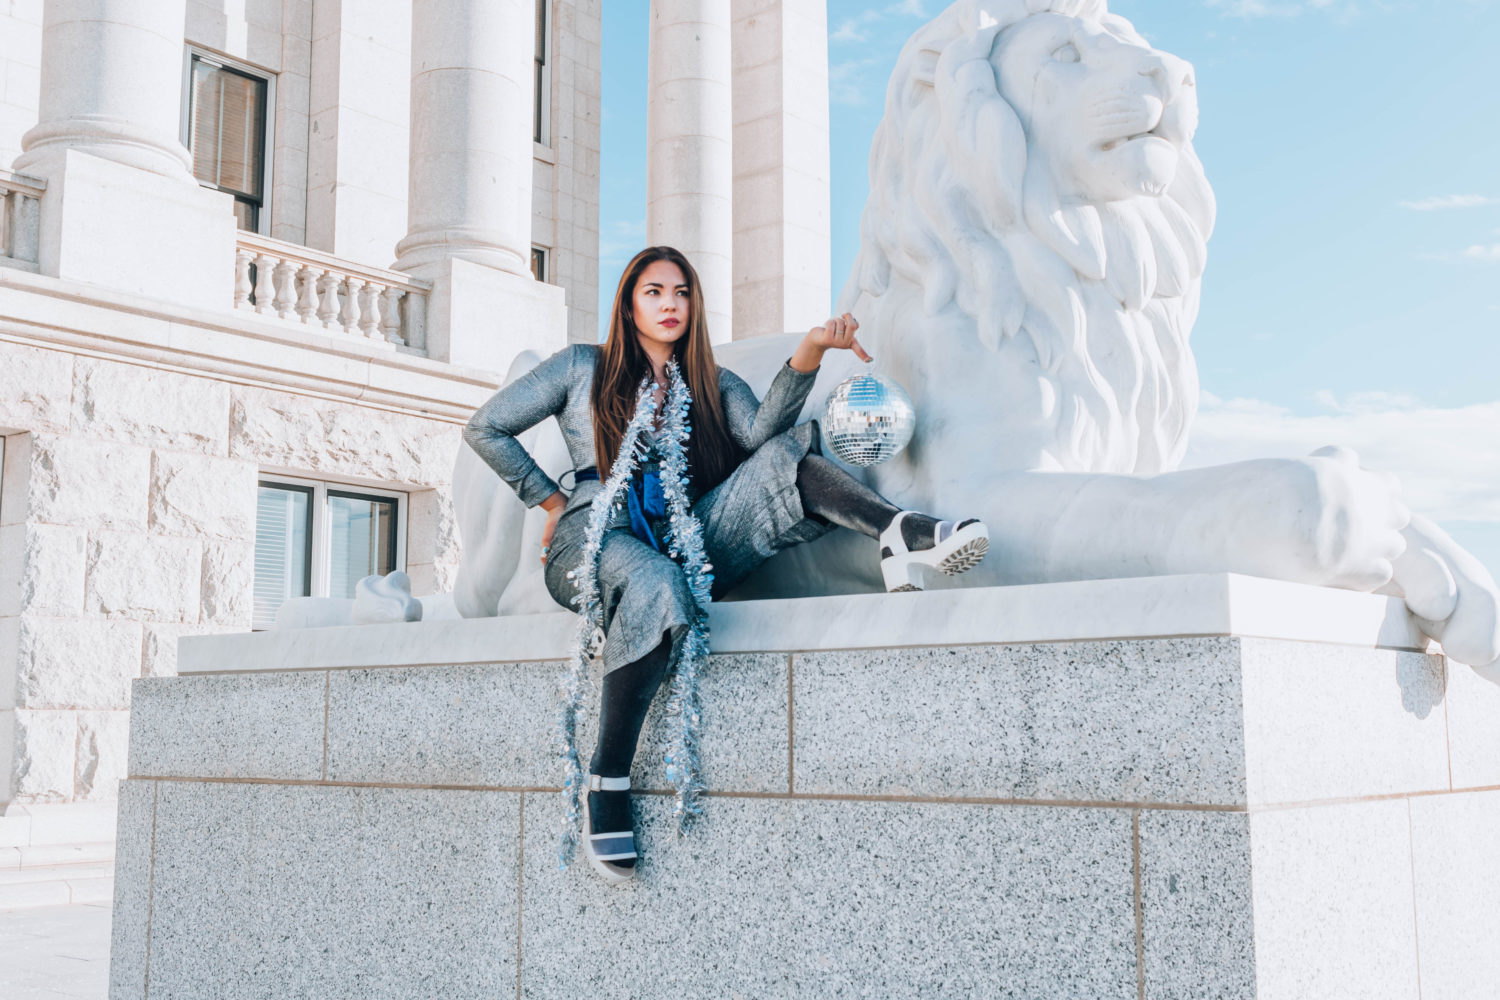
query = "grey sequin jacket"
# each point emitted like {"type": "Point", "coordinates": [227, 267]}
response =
{"type": "Point", "coordinates": [560, 386]}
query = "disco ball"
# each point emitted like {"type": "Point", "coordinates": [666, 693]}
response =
{"type": "Point", "coordinates": [868, 418]}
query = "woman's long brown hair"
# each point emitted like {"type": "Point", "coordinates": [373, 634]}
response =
{"type": "Point", "coordinates": [712, 453]}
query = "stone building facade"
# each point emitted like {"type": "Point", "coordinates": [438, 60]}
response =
{"type": "Point", "coordinates": [141, 404]}
{"type": "Point", "coordinates": [269, 255]}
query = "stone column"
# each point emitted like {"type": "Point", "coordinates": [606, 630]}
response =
{"type": "Point", "coordinates": [469, 193]}
{"type": "Point", "coordinates": [122, 209]}
{"type": "Point", "coordinates": [782, 244]}
{"type": "Point", "coordinates": [111, 86]}
{"type": "Point", "coordinates": [689, 130]}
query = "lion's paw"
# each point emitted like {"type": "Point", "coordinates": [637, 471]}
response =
{"type": "Point", "coordinates": [1452, 595]}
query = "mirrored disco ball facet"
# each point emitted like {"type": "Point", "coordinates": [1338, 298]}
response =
{"type": "Point", "coordinates": [868, 419]}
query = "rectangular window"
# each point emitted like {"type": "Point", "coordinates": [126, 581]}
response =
{"type": "Point", "coordinates": [539, 263]}
{"type": "Point", "coordinates": [227, 131]}
{"type": "Point", "coordinates": [283, 548]}
{"type": "Point", "coordinates": [541, 90]}
{"type": "Point", "coordinates": [316, 539]}
{"type": "Point", "coordinates": [362, 539]}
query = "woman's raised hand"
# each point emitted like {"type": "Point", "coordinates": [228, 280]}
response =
{"type": "Point", "coordinates": [837, 333]}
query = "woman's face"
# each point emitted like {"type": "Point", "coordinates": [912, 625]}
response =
{"type": "Point", "coordinates": [661, 304]}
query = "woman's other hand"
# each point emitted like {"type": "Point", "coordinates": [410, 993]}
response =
{"type": "Point", "coordinates": [553, 505]}
{"type": "Point", "coordinates": [837, 333]}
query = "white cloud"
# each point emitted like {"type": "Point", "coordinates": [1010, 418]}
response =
{"type": "Point", "coordinates": [848, 31]}
{"type": "Point", "coordinates": [1448, 459]}
{"type": "Point", "coordinates": [847, 83]}
{"type": "Point", "coordinates": [1252, 8]}
{"type": "Point", "coordinates": [1450, 201]}
{"type": "Point", "coordinates": [620, 241]}
{"type": "Point", "coordinates": [1491, 252]}
{"type": "Point", "coordinates": [1372, 401]}
{"type": "Point", "coordinates": [856, 29]}
{"type": "Point", "coordinates": [1249, 9]}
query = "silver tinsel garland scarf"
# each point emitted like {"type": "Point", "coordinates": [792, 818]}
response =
{"type": "Point", "coordinates": [685, 545]}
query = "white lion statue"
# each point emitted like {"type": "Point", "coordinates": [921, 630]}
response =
{"type": "Point", "coordinates": [1030, 266]}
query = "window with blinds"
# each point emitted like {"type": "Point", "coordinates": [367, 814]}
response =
{"type": "Point", "coordinates": [313, 539]}
{"type": "Point", "coordinates": [227, 134]}
{"type": "Point", "coordinates": [283, 548]}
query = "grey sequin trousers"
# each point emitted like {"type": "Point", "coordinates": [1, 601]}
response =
{"type": "Point", "coordinates": [746, 519]}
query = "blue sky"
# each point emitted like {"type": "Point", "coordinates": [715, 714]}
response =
{"type": "Point", "coordinates": [1353, 286]}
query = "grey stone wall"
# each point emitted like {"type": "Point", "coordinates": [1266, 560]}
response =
{"type": "Point", "coordinates": [1063, 820]}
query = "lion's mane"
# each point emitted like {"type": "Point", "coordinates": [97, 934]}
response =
{"type": "Point", "coordinates": [960, 208]}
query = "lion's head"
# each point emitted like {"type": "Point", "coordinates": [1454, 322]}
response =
{"type": "Point", "coordinates": [1034, 171]}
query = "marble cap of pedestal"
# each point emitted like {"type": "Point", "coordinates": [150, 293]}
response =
{"type": "Point", "coordinates": [1216, 604]}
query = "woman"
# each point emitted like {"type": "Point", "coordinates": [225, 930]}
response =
{"type": "Point", "coordinates": [755, 485]}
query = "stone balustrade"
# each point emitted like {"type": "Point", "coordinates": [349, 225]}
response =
{"type": "Point", "coordinates": [295, 283]}
{"type": "Point", "coordinates": [20, 207]}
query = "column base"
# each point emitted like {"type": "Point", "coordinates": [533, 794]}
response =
{"type": "Point", "coordinates": [107, 138]}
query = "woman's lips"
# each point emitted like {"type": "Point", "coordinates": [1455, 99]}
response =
{"type": "Point", "coordinates": [670, 322]}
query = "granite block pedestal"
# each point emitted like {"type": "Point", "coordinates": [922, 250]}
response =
{"type": "Point", "coordinates": [1214, 787]}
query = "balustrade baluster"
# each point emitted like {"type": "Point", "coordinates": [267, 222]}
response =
{"type": "Point", "coordinates": [265, 285]}
{"type": "Point", "coordinates": [307, 297]}
{"type": "Point", "coordinates": [242, 285]}
{"type": "Point", "coordinates": [25, 233]}
{"type": "Point", "coordinates": [286, 287]}
{"type": "Point", "coordinates": [369, 304]}
{"type": "Point", "coordinates": [352, 286]}
{"type": "Point", "coordinates": [390, 314]}
{"type": "Point", "coordinates": [328, 300]}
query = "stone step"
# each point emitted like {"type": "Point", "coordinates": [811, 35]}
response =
{"type": "Point", "coordinates": [23, 876]}
{"type": "Point", "coordinates": [56, 885]}
{"type": "Point", "coordinates": [56, 824]}
{"type": "Point", "coordinates": [46, 855]}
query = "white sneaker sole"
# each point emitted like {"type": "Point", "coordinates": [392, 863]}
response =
{"type": "Point", "coordinates": [959, 553]}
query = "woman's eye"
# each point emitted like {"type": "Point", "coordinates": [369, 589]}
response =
{"type": "Point", "coordinates": [1068, 54]}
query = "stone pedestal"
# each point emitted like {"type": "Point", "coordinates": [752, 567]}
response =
{"type": "Point", "coordinates": [914, 795]}
{"type": "Point", "coordinates": [130, 230]}
{"type": "Point", "coordinates": [483, 317]}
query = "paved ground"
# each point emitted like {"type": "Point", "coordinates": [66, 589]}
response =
{"type": "Point", "coordinates": [55, 951]}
